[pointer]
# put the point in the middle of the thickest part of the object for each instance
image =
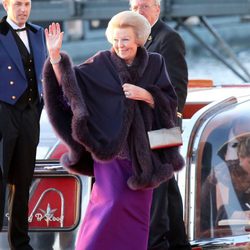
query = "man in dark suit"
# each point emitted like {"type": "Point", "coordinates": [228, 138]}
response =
{"type": "Point", "coordinates": [22, 55]}
{"type": "Point", "coordinates": [167, 229]}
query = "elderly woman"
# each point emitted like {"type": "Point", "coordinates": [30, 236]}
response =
{"type": "Point", "coordinates": [102, 109]}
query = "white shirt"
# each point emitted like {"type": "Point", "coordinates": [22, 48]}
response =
{"type": "Point", "coordinates": [22, 34]}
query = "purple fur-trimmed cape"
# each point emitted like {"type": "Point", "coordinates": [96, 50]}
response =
{"type": "Point", "coordinates": [92, 116]}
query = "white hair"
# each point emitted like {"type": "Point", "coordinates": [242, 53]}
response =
{"type": "Point", "coordinates": [137, 22]}
{"type": "Point", "coordinates": [157, 2]}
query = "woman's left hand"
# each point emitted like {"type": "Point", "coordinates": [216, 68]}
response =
{"type": "Point", "coordinates": [134, 92]}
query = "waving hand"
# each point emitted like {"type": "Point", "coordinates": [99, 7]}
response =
{"type": "Point", "coordinates": [54, 38]}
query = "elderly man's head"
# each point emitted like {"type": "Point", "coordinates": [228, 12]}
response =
{"type": "Point", "coordinates": [149, 8]}
{"type": "Point", "coordinates": [17, 10]}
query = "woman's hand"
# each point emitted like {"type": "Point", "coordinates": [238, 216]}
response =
{"type": "Point", "coordinates": [54, 38]}
{"type": "Point", "coordinates": [134, 92]}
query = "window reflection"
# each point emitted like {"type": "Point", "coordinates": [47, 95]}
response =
{"type": "Point", "coordinates": [223, 188]}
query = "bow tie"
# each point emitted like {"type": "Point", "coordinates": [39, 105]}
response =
{"type": "Point", "coordinates": [20, 30]}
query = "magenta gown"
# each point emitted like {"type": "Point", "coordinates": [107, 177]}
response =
{"type": "Point", "coordinates": [117, 218]}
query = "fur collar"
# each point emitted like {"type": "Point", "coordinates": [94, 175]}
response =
{"type": "Point", "coordinates": [137, 68]}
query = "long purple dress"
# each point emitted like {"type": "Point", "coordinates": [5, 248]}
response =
{"type": "Point", "coordinates": [117, 218]}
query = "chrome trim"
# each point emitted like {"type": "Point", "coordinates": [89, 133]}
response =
{"type": "Point", "coordinates": [192, 135]}
{"type": "Point", "coordinates": [211, 243]}
{"type": "Point", "coordinates": [48, 215]}
{"type": "Point", "coordinates": [49, 166]}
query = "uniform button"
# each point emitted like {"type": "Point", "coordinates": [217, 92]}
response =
{"type": "Point", "coordinates": [30, 60]}
{"type": "Point", "coordinates": [31, 79]}
{"type": "Point", "coordinates": [29, 99]}
{"type": "Point", "coordinates": [13, 97]}
{"type": "Point", "coordinates": [29, 70]}
{"type": "Point", "coordinates": [9, 67]}
{"type": "Point", "coordinates": [30, 90]}
{"type": "Point", "coordinates": [11, 82]}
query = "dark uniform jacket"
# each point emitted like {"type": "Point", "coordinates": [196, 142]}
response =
{"type": "Point", "coordinates": [164, 40]}
{"type": "Point", "coordinates": [13, 80]}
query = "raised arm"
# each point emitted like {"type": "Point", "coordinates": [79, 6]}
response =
{"type": "Point", "coordinates": [54, 38]}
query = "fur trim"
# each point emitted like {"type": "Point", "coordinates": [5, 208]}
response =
{"type": "Point", "coordinates": [80, 131]}
{"type": "Point", "coordinates": [60, 116]}
{"type": "Point", "coordinates": [150, 168]}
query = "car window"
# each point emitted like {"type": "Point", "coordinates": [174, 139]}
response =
{"type": "Point", "coordinates": [223, 175]}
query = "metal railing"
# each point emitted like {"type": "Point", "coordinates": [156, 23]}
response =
{"type": "Point", "coordinates": [89, 11]}
{"type": "Point", "coordinates": [46, 10]}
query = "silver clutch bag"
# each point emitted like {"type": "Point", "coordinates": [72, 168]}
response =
{"type": "Point", "coordinates": [165, 138]}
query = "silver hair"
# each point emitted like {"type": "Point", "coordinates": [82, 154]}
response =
{"type": "Point", "coordinates": [157, 2]}
{"type": "Point", "coordinates": [137, 22]}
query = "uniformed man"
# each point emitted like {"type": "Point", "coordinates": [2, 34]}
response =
{"type": "Point", "coordinates": [22, 55]}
